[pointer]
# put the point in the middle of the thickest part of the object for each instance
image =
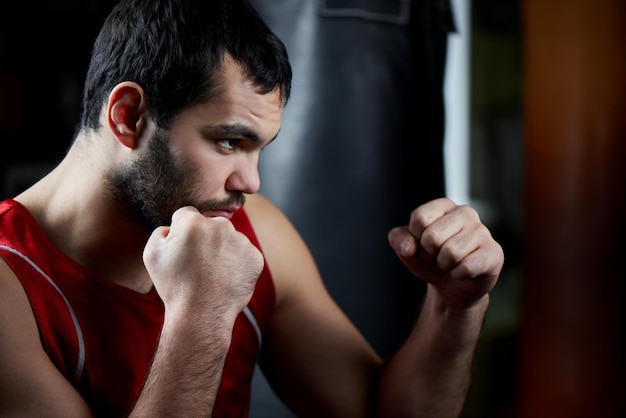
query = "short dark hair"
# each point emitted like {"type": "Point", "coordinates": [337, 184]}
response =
{"type": "Point", "coordinates": [174, 50]}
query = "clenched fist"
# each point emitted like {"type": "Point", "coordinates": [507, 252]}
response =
{"type": "Point", "coordinates": [202, 265]}
{"type": "Point", "coordinates": [448, 246]}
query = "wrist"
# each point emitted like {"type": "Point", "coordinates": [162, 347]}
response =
{"type": "Point", "coordinates": [438, 305]}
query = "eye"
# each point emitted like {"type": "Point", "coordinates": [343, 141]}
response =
{"type": "Point", "coordinates": [228, 144]}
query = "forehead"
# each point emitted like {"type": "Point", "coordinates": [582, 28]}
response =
{"type": "Point", "coordinates": [238, 102]}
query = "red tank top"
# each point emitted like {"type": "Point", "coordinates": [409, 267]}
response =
{"type": "Point", "coordinates": [102, 336]}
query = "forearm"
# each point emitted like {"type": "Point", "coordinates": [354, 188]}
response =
{"type": "Point", "coordinates": [186, 371]}
{"type": "Point", "coordinates": [430, 375]}
{"type": "Point", "coordinates": [205, 272]}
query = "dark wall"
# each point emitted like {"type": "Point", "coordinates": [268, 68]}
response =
{"type": "Point", "coordinates": [44, 52]}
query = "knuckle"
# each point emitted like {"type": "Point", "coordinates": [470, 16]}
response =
{"type": "Point", "coordinates": [453, 255]}
{"type": "Point", "coordinates": [453, 251]}
{"type": "Point", "coordinates": [469, 213]}
{"type": "Point", "coordinates": [431, 238]}
{"type": "Point", "coordinates": [420, 218]}
{"type": "Point", "coordinates": [465, 269]}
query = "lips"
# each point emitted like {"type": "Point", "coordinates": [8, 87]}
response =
{"type": "Point", "coordinates": [224, 213]}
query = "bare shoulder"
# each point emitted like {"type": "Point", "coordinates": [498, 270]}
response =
{"type": "Point", "coordinates": [262, 210]}
{"type": "Point", "coordinates": [286, 253]}
{"type": "Point", "coordinates": [336, 371]}
{"type": "Point", "coordinates": [271, 226]}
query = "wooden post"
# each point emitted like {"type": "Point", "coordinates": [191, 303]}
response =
{"type": "Point", "coordinates": [574, 252]}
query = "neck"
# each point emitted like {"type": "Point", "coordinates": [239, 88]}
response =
{"type": "Point", "coordinates": [83, 221]}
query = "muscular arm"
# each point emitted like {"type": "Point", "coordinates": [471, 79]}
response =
{"type": "Point", "coordinates": [447, 246]}
{"type": "Point", "coordinates": [430, 374]}
{"type": "Point", "coordinates": [321, 365]}
{"type": "Point", "coordinates": [205, 272]}
{"type": "Point", "coordinates": [313, 356]}
{"type": "Point", "coordinates": [185, 374]}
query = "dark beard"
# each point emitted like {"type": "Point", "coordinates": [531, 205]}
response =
{"type": "Point", "coordinates": [155, 185]}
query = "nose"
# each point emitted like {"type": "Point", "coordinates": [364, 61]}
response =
{"type": "Point", "coordinates": [245, 177]}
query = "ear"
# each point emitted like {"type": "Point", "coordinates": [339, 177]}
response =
{"type": "Point", "coordinates": [127, 113]}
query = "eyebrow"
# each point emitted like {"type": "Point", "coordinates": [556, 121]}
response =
{"type": "Point", "coordinates": [233, 130]}
{"type": "Point", "coordinates": [230, 130]}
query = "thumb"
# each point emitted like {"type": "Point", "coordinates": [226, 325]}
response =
{"type": "Point", "coordinates": [407, 248]}
{"type": "Point", "coordinates": [402, 241]}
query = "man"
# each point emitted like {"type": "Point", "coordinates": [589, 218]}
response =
{"type": "Point", "coordinates": [143, 277]}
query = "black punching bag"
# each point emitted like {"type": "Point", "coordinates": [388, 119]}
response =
{"type": "Point", "coordinates": [361, 144]}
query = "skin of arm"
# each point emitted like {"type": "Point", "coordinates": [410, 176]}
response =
{"type": "Point", "coordinates": [430, 375]}
{"type": "Point", "coordinates": [186, 371]}
{"type": "Point", "coordinates": [314, 357]}
{"type": "Point", "coordinates": [447, 246]}
{"type": "Point", "coordinates": [311, 345]}
{"type": "Point", "coordinates": [199, 314]}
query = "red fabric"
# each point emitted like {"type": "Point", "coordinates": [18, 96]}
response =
{"type": "Point", "coordinates": [119, 327]}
